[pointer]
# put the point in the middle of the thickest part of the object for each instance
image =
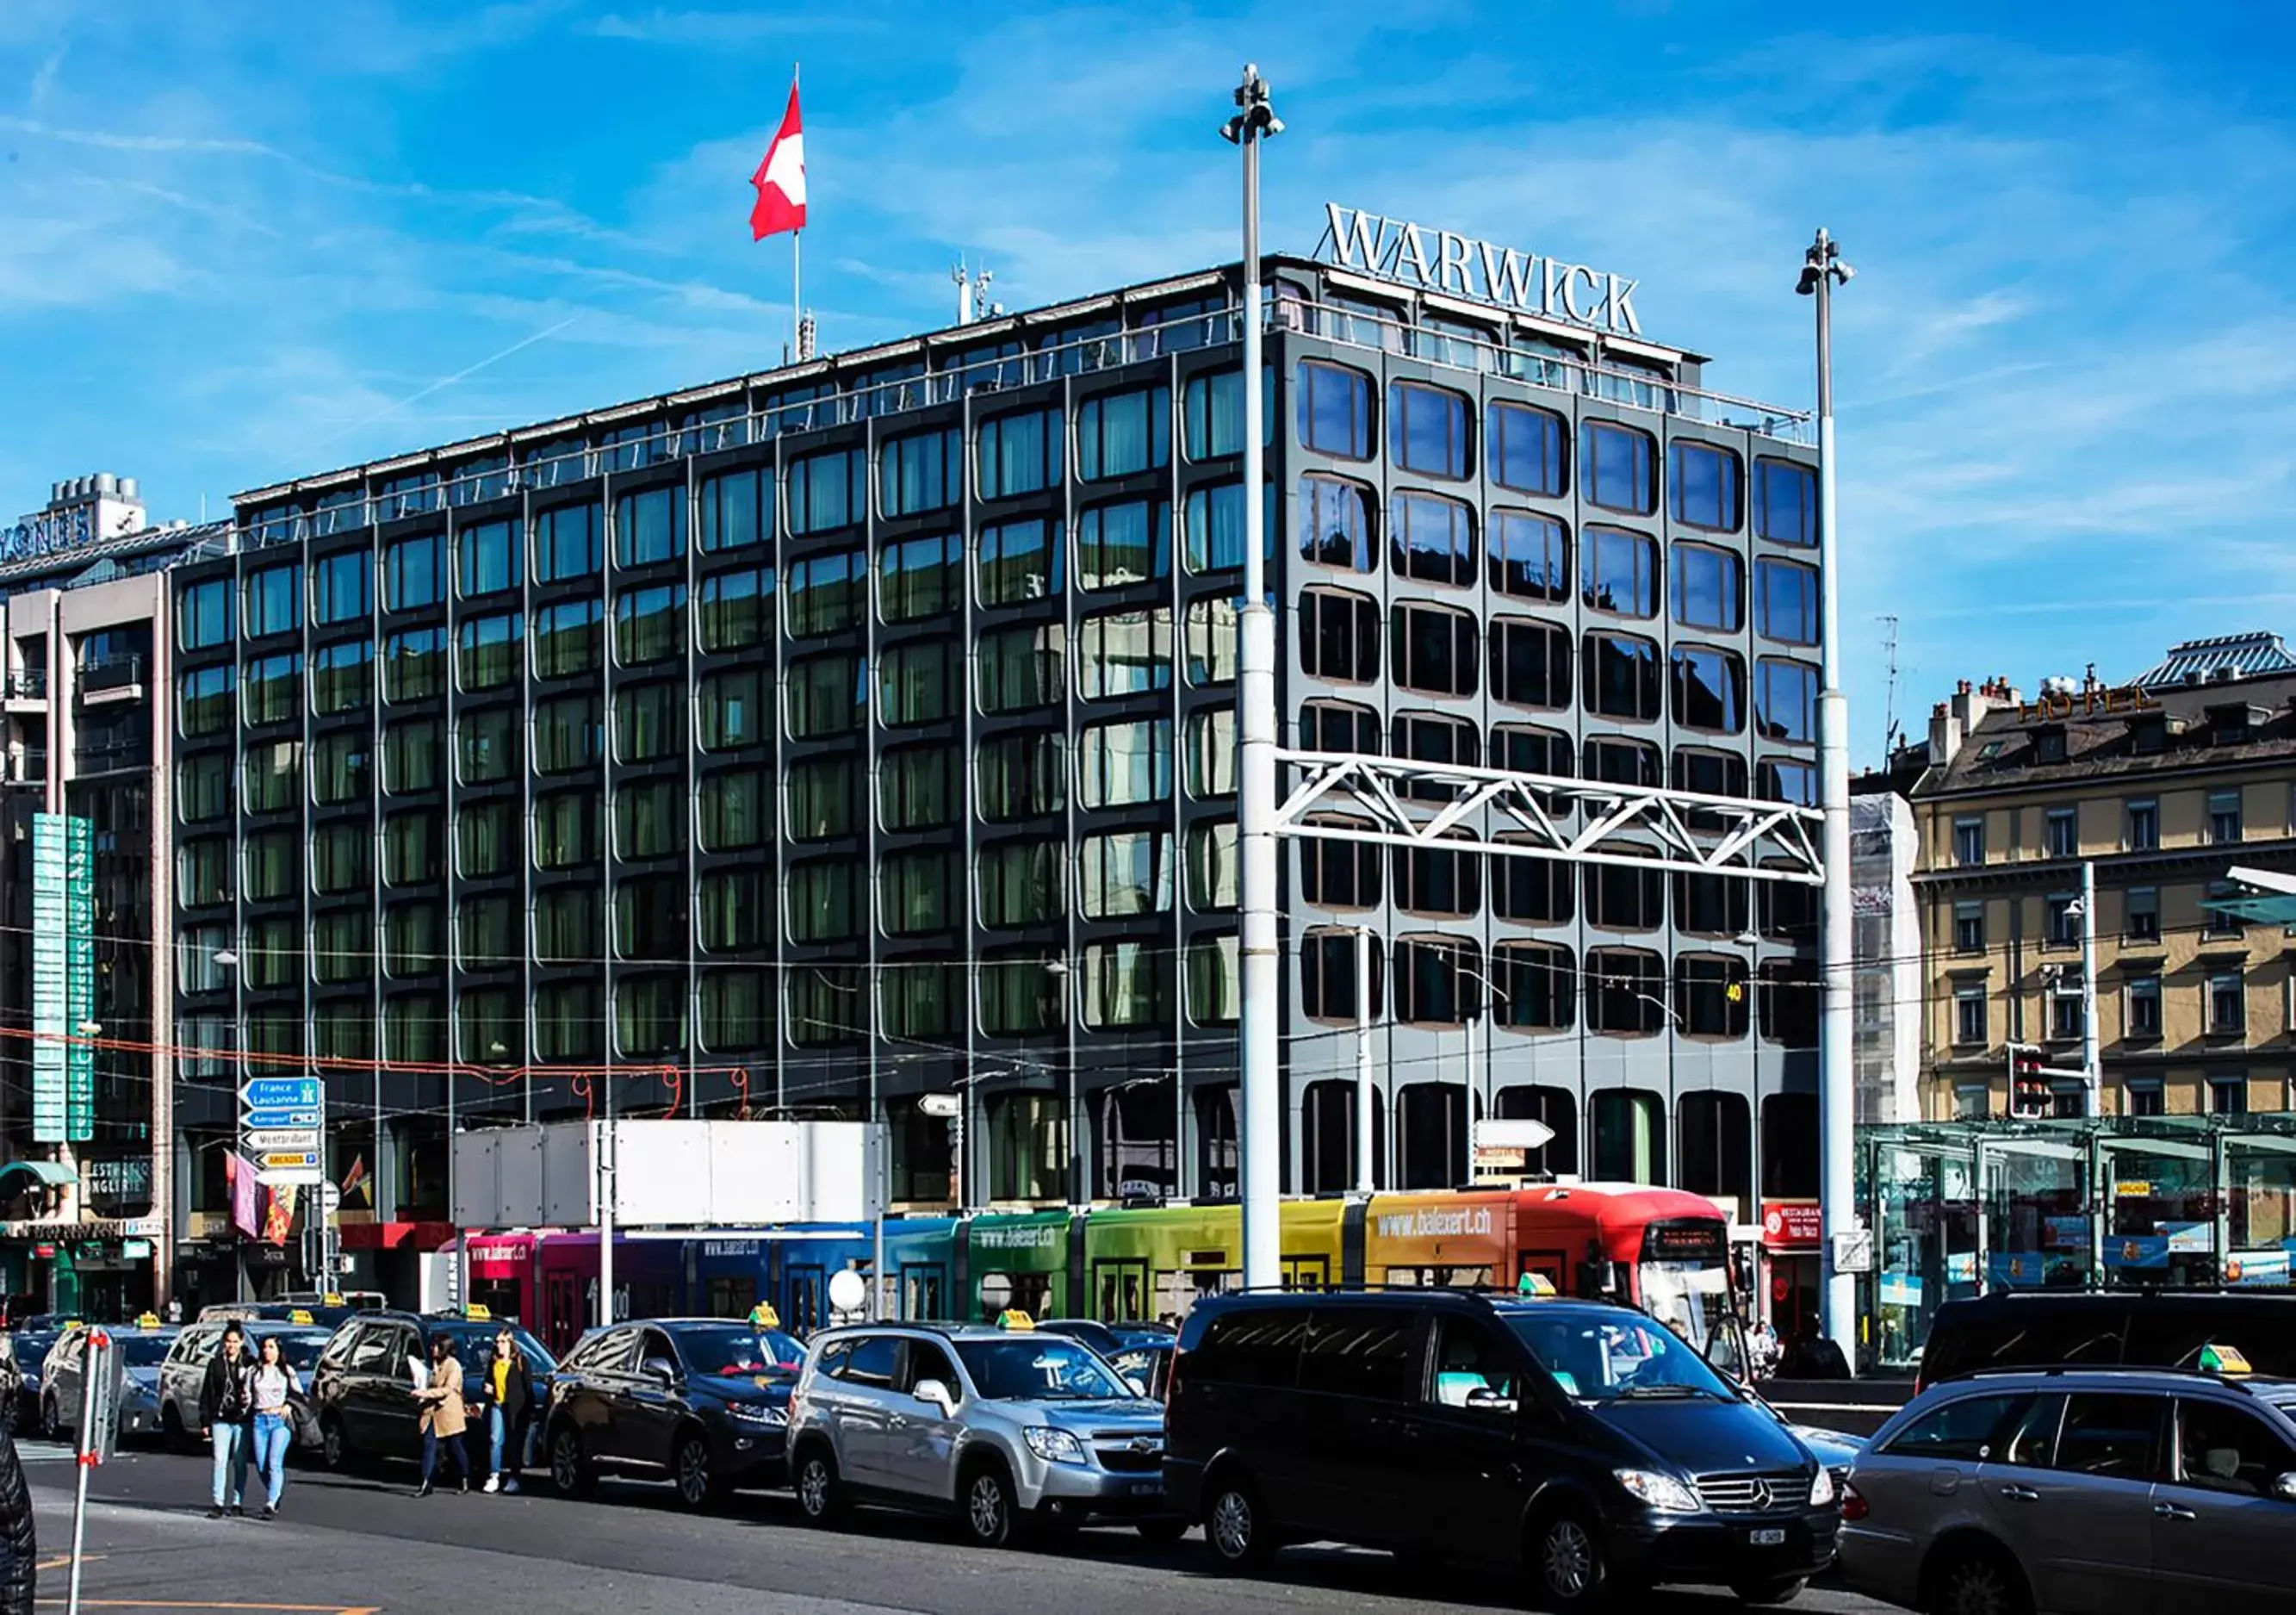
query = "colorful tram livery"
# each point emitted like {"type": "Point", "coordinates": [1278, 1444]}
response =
{"type": "Point", "coordinates": [1662, 1249]}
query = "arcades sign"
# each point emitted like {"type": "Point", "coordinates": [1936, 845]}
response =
{"type": "Point", "coordinates": [1440, 260]}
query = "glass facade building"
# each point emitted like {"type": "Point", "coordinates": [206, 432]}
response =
{"type": "Point", "coordinates": [866, 730]}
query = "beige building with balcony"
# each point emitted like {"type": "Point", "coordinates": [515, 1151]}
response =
{"type": "Point", "coordinates": [2164, 785]}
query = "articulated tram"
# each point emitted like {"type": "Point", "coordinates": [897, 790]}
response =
{"type": "Point", "coordinates": [1662, 1249]}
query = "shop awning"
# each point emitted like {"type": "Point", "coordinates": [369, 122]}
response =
{"type": "Point", "coordinates": [50, 1174]}
{"type": "Point", "coordinates": [2265, 895]}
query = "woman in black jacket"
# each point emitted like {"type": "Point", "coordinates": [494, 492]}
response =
{"type": "Point", "coordinates": [227, 1416]}
{"type": "Point", "coordinates": [504, 1387]}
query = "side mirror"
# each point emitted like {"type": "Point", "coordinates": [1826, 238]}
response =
{"type": "Point", "coordinates": [2284, 1488]}
{"type": "Point", "coordinates": [1486, 1400]}
{"type": "Point", "coordinates": [660, 1371]}
{"type": "Point", "coordinates": [934, 1394]}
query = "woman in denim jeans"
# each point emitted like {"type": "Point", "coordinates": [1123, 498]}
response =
{"type": "Point", "coordinates": [506, 1392]}
{"type": "Point", "coordinates": [226, 1403]}
{"type": "Point", "coordinates": [273, 1382]}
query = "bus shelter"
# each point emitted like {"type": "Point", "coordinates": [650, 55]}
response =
{"type": "Point", "coordinates": [1962, 1207]}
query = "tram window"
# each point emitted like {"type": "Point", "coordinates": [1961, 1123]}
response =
{"type": "Point", "coordinates": [725, 1298]}
{"type": "Point", "coordinates": [1442, 1277]}
{"type": "Point", "coordinates": [921, 1293]}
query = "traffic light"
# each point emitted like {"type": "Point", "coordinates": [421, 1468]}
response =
{"type": "Point", "coordinates": [2031, 1095]}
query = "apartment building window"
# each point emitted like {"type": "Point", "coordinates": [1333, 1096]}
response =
{"type": "Point", "coordinates": [1120, 433]}
{"type": "Point", "coordinates": [1335, 410]}
{"type": "Point", "coordinates": [919, 471]}
{"type": "Point", "coordinates": [1016, 669]}
{"type": "Point", "coordinates": [1335, 525]}
{"type": "Point", "coordinates": [2065, 832]}
{"type": "Point", "coordinates": [1434, 650]}
{"type": "Point", "coordinates": [736, 512]}
{"type": "Point", "coordinates": [2143, 1096]}
{"type": "Point", "coordinates": [2224, 817]}
{"type": "Point", "coordinates": [1969, 1015]}
{"type": "Point", "coordinates": [1969, 842]}
{"type": "Point", "coordinates": [1530, 663]}
{"type": "Point", "coordinates": [1020, 454]}
{"type": "Point", "coordinates": [1969, 928]}
{"type": "Point", "coordinates": [2228, 1004]}
{"type": "Point", "coordinates": [2223, 922]}
{"type": "Point", "coordinates": [1785, 601]}
{"type": "Point", "coordinates": [1710, 689]}
{"type": "Point", "coordinates": [2144, 914]}
{"type": "Point", "coordinates": [1619, 571]}
{"type": "Point", "coordinates": [1973, 1100]}
{"type": "Point", "coordinates": [1427, 430]}
{"type": "Point", "coordinates": [1339, 636]}
{"type": "Point", "coordinates": [2227, 1095]}
{"type": "Point", "coordinates": [1709, 589]}
{"type": "Point", "coordinates": [1785, 699]}
{"type": "Point", "coordinates": [1785, 502]}
{"type": "Point", "coordinates": [1621, 677]}
{"type": "Point", "coordinates": [2143, 833]}
{"type": "Point", "coordinates": [2144, 1006]}
{"type": "Point", "coordinates": [1021, 561]}
{"type": "Point", "coordinates": [1618, 467]}
{"type": "Point", "coordinates": [1432, 539]}
{"type": "Point", "coordinates": [1526, 449]}
{"type": "Point", "coordinates": [2065, 1008]}
{"type": "Point", "coordinates": [2063, 928]}
{"type": "Point", "coordinates": [650, 526]}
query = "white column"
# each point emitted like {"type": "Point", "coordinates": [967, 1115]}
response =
{"type": "Point", "coordinates": [1365, 1105]}
{"type": "Point", "coordinates": [2092, 1060]}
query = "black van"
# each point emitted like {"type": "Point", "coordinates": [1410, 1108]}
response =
{"type": "Point", "coordinates": [2131, 1328]}
{"type": "Point", "coordinates": [1582, 1440]}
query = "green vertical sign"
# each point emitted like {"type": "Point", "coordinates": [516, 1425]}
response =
{"type": "Point", "coordinates": [63, 978]}
{"type": "Point", "coordinates": [79, 976]}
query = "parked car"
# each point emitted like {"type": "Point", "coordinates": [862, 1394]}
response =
{"type": "Point", "coordinates": [702, 1403]}
{"type": "Point", "coordinates": [31, 1341]}
{"type": "Point", "coordinates": [142, 1349]}
{"type": "Point", "coordinates": [1106, 1339]}
{"type": "Point", "coordinates": [2103, 1490]}
{"type": "Point", "coordinates": [1581, 1440]}
{"type": "Point", "coordinates": [184, 1375]}
{"type": "Point", "coordinates": [1007, 1428]}
{"type": "Point", "coordinates": [363, 1384]}
{"type": "Point", "coordinates": [324, 1316]}
{"type": "Point", "coordinates": [2127, 1328]}
{"type": "Point", "coordinates": [1146, 1367]}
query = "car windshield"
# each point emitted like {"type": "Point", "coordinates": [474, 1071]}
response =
{"type": "Point", "coordinates": [737, 1349]}
{"type": "Point", "coordinates": [1605, 1356]}
{"type": "Point", "coordinates": [472, 1339]}
{"type": "Point", "coordinates": [143, 1350]}
{"type": "Point", "coordinates": [1040, 1368]}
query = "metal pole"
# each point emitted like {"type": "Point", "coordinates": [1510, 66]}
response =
{"type": "Point", "coordinates": [1836, 1079]}
{"type": "Point", "coordinates": [1258, 1030]}
{"type": "Point", "coordinates": [606, 1147]}
{"type": "Point", "coordinates": [99, 1343]}
{"type": "Point", "coordinates": [884, 1140]}
{"type": "Point", "coordinates": [1366, 1111]}
{"type": "Point", "coordinates": [2092, 1064]}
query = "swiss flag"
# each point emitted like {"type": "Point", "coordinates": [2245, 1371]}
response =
{"type": "Point", "coordinates": [780, 179]}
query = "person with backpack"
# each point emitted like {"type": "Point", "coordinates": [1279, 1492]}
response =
{"type": "Point", "coordinates": [226, 1418]}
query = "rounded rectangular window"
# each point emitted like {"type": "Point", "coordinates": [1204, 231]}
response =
{"type": "Point", "coordinates": [1529, 557]}
{"type": "Point", "coordinates": [1626, 992]}
{"type": "Point", "coordinates": [567, 543]}
{"type": "Point", "coordinates": [1121, 653]}
{"type": "Point", "coordinates": [732, 709]}
{"type": "Point", "coordinates": [1434, 649]}
{"type": "Point", "coordinates": [1618, 467]}
{"type": "Point", "coordinates": [821, 799]}
{"type": "Point", "coordinates": [1432, 539]}
{"type": "Point", "coordinates": [489, 650]}
{"type": "Point", "coordinates": [342, 677]}
{"type": "Point", "coordinates": [203, 700]}
{"type": "Point", "coordinates": [825, 696]}
{"type": "Point", "coordinates": [1211, 640]}
{"type": "Point", "coordinates": [649, 818]}
{"type": "Point", "coordinates": [1702, 480]}
{"type": "Point", "coordinates": [649, 624]}
{"type": "Point", "coordinates": [736, 510]}
{"type": "Point", "coordinates": [1620, 571]}
{"type": "Point", "coordinates": [1527, 889]}
{"type": "Point", "coordinates": [1785, 601]}
{"type": "Point", "coordinates": [1020, 776]}
{"type": "Point", "coordinates": [340, 767]}
{"type": "Point", "coordinates": [1328, 969]}
{"type": "Point", "coordinates": [1336, 871]}
{"type": "Point", "coordinates": [1530, 663]}
{"type": "Point", "coordinates": [486, 745]}
{"type": "Point", "coordinates": [1119, 434]}
{"type": "Point", "coordinates": [1538, 984]}
{"type": "Point", "coordinates": [1616, 761]}
{"type": "Point", "coordinates": [918, 682]}
{"type": "Point", "coordinates": [1020, 883]}
{"type": "Point", "coordinates": [569, 926]}
{"type": "Point", "coordinates": [1120, 544]}
{"type": "Point", "coordinates": [1213, 872]}
{"type": "Point", "coordinates": [1020, 996]}
{"type": "Point", "coordinates": [1127, 984]}
{"type": "Point", "coordinates": [1215, 980]}
{"type": "Point", "coordinates": [273, 690]}
{"type": "Point", "coordinates": [1427, 430]}
{"type": "Point", "coordinates": [922, 470]}
{"type": "Point", "coordinates": [822, 905]}
{"type": "Point", "coordinates": [650, 526]}
{"type": "Point", "coordinates": [1019, 453]}
{"type": "Point", "coordinates": [1785, 699]}
{"type": "Point", "coordinates": [1335, 524]}
{"type": "Point", "coordinates": [1021, 670]}
{"type": "Point", "coordinates": [737, 609]}
{"type": "Point", "coordinates": [1709, 589]}
{"type": "Point", "coordinates": [1125, 874]}
{"type": "Point", "coordinates": [411, 748]}
{"type": "Point", "coordinates": [921, 579]}
{"type": "Point", "coordinates": [1214, 522]}
{"type": "Point", "coordinates": [203, 614]}
{"type": "Point", "coordinates": [566, 834]}
{"type": "Point", "coordinates": [826, 593]}
{"type": "Point", "coordinates": [343, 588]}
{"type": "Point", "coordinates": [649, 722]}
{"type": "Point", "coordinates": [570, 735]}
{"type": "Point", "coordinates": [1334, 409]}
{"type": "Point", "coordinates": [273, 601]}
{"type": "Point", "coordinates": [916, 787]}
{"type": "Point", "coordinates": [1621, 676]}
{"type": "Point", "coordinates": [415, 665]}
{"type": "Point", "coordinates": [485, 558]}
{"type": "Point", "coordinates": [1528, 449]}
{"type": "Point", "coordinates": [1437, 884]}
{"type": "Point", "coordinates": [1710, 689]}
{"type": "Point", "coordinates": [1124, 765]}
{"type": "Point", "coordinates": [914, 894]}
{"type": "Point", "coordinates": [733, 810]}
{"type": "Point", "coordinates": [1211, 753]}
{"type": "Point", "coordinates": [1339, 636]}
{"type": "Point", "coordinates": [1785, 502]}
{"type": "Point", "coordinates": [1437, 981]}
{"type": "Point", "coordinates": [342, 858]}
{"type": "Point", "coordinates": [1338, 726]}
{"type": "Point", "coordinates": [730, 910]}
{"type": "Point", "coordinates": [203, 787]}
{"type": "Point", "coordinates": [415, 572]}
{"type": "Point", "coordinates": [1019, 561]}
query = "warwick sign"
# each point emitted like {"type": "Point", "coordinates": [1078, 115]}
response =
{"type": "Point", "coordinates": [1438, 260]}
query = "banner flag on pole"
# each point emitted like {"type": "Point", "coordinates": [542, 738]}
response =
{"type": "Point", "coordinates": [780, 179]}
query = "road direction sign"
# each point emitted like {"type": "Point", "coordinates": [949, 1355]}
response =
{"type": "Point", "coordinates": [279, 1117]}
{"type": "Point", "coordinates": [287, 1161]}
{"type": "Point", "coordinates": [290, 1177]}
{"type": "Point", "coordinates": [294, 1140]}
{"type": "Point", "coordinates": [331, 1199]}
{"type": "Point", "coordinates": [275, 1093]}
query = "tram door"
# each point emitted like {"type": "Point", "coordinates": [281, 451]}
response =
{"type": "Point", "coordinates": [1119, 1289]}
{"type": "Point", "coordinates": [561, 1312]}
{"type": "Point", "coordinates": [923, 1290]}
{"type": "Point", "coordinates": [806, 1310]}
{"type": "Point", "coordinates": [1306, 1273]}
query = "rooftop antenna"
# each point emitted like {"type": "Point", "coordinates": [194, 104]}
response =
{"type": "Point", "coordinates": [1889, 702]}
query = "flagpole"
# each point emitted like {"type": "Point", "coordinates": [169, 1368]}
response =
{"type": "Point", "coordinates": [797, 270]}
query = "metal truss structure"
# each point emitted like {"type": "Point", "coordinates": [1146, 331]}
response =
{"type": "Point", "coordinates": [1453, 807]}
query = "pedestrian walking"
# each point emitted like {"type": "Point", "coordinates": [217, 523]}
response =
{"type": "Point", "coordinates": [507, 1392]}
{"type": "Point", "coordinates": [227, 1412]}
{"type": "Point", "coordinates": [274, 1381]}
{"type": "Point", "coordinates": [442, 1417]}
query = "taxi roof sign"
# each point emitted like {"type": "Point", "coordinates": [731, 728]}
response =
{"type": "Point", "coordinates": [147, 1320]}
{"type": "Point", "coordinates": [1534, 1283]}
{"type": "Point", "coordinates": [2223, 1359]}
{"type": "Point", "coordinates": [330, 1300]}
{"type": "Point", "coordinates": [477, 1314]}
{"type": "Point", "coordinates": [301, 1316]}
{"type": "Point", "coordinates": [764, 1315]}
{"type": "Point", "coordinates": [1014, 1318]}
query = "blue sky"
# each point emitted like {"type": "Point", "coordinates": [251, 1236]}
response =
{"type": "Point", "coordinates": [241, 241]}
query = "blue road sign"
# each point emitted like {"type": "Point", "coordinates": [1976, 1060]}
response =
{"type": "Point", "coordinates": [281, 1092]}
{"type": "Point", "coordinates": [276, 1116]}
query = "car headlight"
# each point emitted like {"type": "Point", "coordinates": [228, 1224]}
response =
{"type": "Point", "coordinates": [1663, 1493]}
{"type": "Point", "coordinates": [757, 1412]}
{"type": "Point", "coordinates": [1821, 1487]}
{"type": "Point", "coordinates": [1053, 1446]}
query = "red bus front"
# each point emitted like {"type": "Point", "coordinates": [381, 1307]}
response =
{"type": "Point", "coordinates": [1666, 1251]}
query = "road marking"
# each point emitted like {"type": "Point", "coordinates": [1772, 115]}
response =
{"type": "Point", "coordinates": [168, 1603]}
{"type": "Point", "coordinates": [63, 1560]}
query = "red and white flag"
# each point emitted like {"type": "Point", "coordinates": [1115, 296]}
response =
{"type": "Point", "coordinates": [780, 179]}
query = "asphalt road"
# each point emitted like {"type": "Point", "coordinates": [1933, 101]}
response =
{"type": "Point", "coordinates": [365, 1543]}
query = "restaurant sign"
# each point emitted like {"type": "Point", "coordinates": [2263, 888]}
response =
{"type": "Point", "coordinates": [1441, 260]}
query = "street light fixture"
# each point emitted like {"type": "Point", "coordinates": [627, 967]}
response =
{"type": "Point", "coordinates": [1823, 270]}
{"type": "Point", "coordinates": [1258, 1034]}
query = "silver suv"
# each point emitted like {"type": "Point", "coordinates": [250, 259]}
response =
{"type": "Point", "coordinates": [1003, 1427]}
{"type": "Point", "coordinates": [2103, 1491]}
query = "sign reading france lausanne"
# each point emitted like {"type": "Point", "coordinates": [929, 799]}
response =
{"type": "Point", "coordinates": [1438, 260]}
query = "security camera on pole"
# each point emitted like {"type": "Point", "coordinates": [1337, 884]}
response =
{"type": "Point", "coordinates": [1848, 1249]}
{"type": "Point", "coordinates": [1257, 1030]}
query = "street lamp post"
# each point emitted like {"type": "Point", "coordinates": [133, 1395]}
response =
{"type": "Point", "coordinates": [1823, 270]}
{"type": "Point", "coordinates": [1257, 1032]}
{"type": "Point", "coordinates": [1365, 1110]}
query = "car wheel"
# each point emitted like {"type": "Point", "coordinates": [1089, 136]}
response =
{"type": "Point", "coordinates": [1239, 1536]}
{"type": "Point", "coordinates": [1977, 1580]}
{"type": "Point", "coordinates": [988, 1507]}
{"type": "Point", "coordinates": [818, 1496]}
{"type": "Point", "coordinates": [1163, 1533]}
{"type": "Point", "coordinates": [569, 1469]}
{"type": "Point", "coordinates": [1784, 1590]}
{"type": "Point", "coordinates": [1568, 1559]}
{"type": "Point", "coordinates": [696, 1472]}
{"type": "Point", "coordinates": [334, 1451]}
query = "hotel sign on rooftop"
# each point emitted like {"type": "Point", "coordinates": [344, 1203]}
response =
{"type": "Point", "coordinates": [1440, 260]}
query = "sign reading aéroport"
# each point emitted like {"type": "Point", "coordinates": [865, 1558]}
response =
{"type": "Point", "coordinates": [1441, 260]}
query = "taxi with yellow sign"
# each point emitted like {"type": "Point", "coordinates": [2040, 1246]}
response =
{"type": "Point", "coordinates": [143, 1348]}
{"type": "Point", "coordinates": [301, 1337]}
{"type": "Point", "coordinates": [1011, 1428]}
